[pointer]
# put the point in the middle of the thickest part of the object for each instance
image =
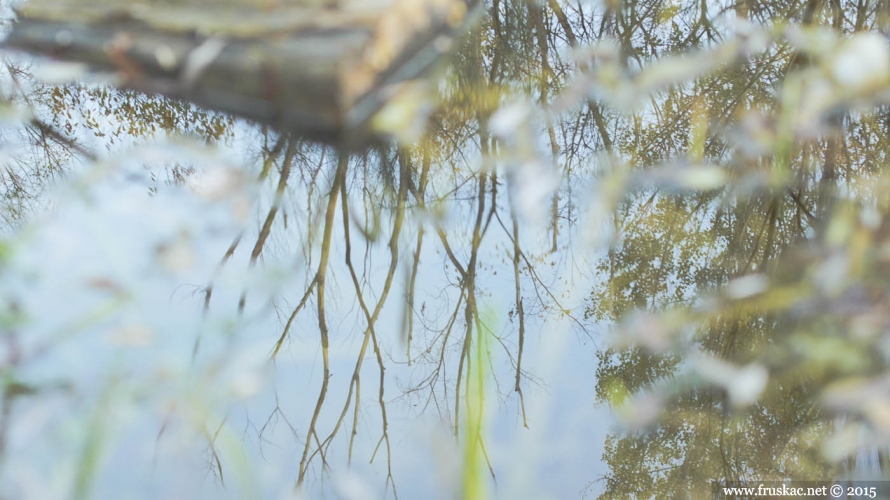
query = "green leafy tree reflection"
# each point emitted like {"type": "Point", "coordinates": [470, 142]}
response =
{"type": "Point", "coordinates": [671, 249]}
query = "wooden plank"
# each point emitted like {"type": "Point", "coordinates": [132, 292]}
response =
{"type": "Point", "coordinates": [306, 66]}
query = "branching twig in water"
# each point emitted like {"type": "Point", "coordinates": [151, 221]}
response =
{"type": "Point", "coordinates": [594, 109]}
{"type": "Point", "coordinates": [519, 309]}
{"type": "Point", "coordinates": [537, 13]}
{"type": "Point", "coordinates": [292, 316]}
{"type": "Point", "coordinates": [49, 132]}
{"type": "Point", "coordinates": [270, 217]}
{"type": "Point", "coordinates": [267, 164]}
{"type": "Point", "coordinates": [208, 290]}
{"type": "Point", "coordinates": [409, 306]}
{"type": "Point", "coordinates": [216, 464]}
{"type": "Point", "coordinates": [314, 282]}
{"type": "Point", "coordinates": [385, 436]}
{"type": "Point", "coordinates": [371, 318]}
{"type": "Point", "coordinates": [470, 282]}
{"type": "Point", "coordinates": [537, 281]}
{"type": "Point", "coordinates": [319, 283]}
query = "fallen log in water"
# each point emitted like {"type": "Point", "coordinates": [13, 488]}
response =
{"type": "Point", "coordinates": [318, 68]}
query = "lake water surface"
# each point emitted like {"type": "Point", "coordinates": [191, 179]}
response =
{"type": "Point", "coordinates": [606, 270]}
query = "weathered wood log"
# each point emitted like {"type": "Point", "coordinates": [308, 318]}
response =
{"type": "Point", "coordinates": [320, 69]}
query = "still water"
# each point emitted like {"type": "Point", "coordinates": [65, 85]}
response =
{"type": "Point", "coordinates": [639, 248]}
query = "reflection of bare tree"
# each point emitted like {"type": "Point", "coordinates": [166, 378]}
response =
{"type": "Point", "coordinates": [443, 156]}
{"type": "Point", "coordinates": [434, 354]}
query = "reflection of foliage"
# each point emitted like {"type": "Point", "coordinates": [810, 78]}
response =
{"type": "Point", "coordinates": [790, 167]}
{"type": "Point", "coordinates": [111, 114]}
{"type": "Point", "coordinates": [392, 188]}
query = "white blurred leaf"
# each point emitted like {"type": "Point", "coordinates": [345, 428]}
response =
{"type": "Point", "coordinates": [641, 412]}
{"type": "Point", "coordinates": [862, 61]}
{"type": "Point", "coordinates": [743, 385]}
{"type": "Point", "coordinates": [746, 286]}
{"type": "Point", "coordinates": [216, 184]}
{"type": "Point", "coordinates": [507, 119]}
{"type": "Point", "coordinates": [58, 72]}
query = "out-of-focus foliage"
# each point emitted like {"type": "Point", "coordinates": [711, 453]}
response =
{"type": "Point", "coordinates": [743, 301]}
